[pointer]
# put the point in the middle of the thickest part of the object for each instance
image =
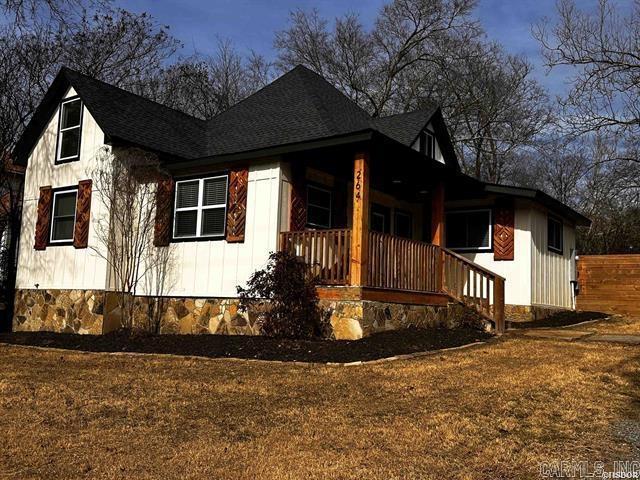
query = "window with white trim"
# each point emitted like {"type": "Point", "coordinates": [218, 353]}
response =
{"type": "Point", "coordinates": [554, 235]}
{"type": "Point", "coordinates": [469, 229]}
{"type": "Point", "coordinates": [200, 208]}
{"type": "Point", "coordinates": [428, 144]}
{"type": "Point", "coordinates": [69, 131]}
{"type": "Point", "coordinates": [318, 207]}
{"type": "Point", "coordinates": [63, 216]}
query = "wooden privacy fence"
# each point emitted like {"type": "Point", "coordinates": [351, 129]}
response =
{"type": "Point", "coordinates": [609, 283]}
{"type": "Point", "coordinates": [327, 251]}
{"type": "Point", "coordinates": [402, 264]}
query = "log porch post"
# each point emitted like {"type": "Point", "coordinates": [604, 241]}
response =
{"type": "Point", "coordinates": [437, 214]}
{"type": "Point", "coordinates": [360, 224]}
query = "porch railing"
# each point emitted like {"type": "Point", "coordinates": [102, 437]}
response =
{"type": "Point", "coordinates": [327, 251]}
{"type": "Point", "coordinates": [401, 264]}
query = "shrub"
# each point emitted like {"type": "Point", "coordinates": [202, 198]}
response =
{"type": "Point", "coordinates": [284, 294]}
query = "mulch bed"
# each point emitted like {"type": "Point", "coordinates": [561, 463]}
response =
{"type": "Point", "coordinates": [381, 345]}
{"type": "Point", "coordinates": [560, 319]}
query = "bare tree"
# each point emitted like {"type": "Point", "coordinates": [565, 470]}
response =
{"type": "Point", "coordinates": [422, 52]}
{"type": "Point", "coordinates": [602, 49]}
{"type": "Point", "coordinates": [125, 185]}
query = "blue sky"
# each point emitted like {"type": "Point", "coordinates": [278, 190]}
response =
{"type": "Point", "coordinates": [250, 24]}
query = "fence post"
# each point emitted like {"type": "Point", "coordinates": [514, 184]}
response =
{"type": "Point", "coordinates": [498, 304]}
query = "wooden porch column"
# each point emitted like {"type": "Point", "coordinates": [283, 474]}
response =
{"type": "Point", "coordinates": [360, 224]}
{"type": "Point", "coordinates": [437, 214]}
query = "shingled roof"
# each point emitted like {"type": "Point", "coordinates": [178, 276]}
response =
{"type": "Point", "coordinates": [299, 106]}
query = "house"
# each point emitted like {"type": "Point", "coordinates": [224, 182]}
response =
{"type": "Point", "coordinates": [379, 207]}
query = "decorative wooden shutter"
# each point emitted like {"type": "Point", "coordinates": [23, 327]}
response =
{"type": "Point", "coordinates": [298, 207]}
{"type": "Point", "coordinates": [83, 215]}
{"type": "Point", "coordinates": [237, 204]}
{"type": "Point", "coordinates": [43, 221]}
{"type": "Point", "coordinates": [164, 207]}
{"type": "Point", "coordinates": [503, 231]}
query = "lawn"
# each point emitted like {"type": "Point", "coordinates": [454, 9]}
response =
{"type": "Point", "coordinates": [492, 411]}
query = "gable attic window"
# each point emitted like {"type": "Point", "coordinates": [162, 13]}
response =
{"type": "Point", "coordinates": [554, 235]}
{"type": "Point", "coordinates": [63, 216]}
{"type": "Point", "coordinates": [200, 208]}
{"type": "Point", "coordinates": [427, 144]}
{"type": "Point", "coordinates": [69, 131]}
{"type": "Point", "coordinates": [469, 230]}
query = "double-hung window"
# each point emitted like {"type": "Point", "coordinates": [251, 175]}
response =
{"type": "Point", "coordinates": [318, 207]}
{"type": "Point", "coordinates": [69, 131]}
{"type": "Point", "coordinates": [200, 208]}
{"type": "Point", "coordinates": [428, 144]}
{"type": "Point", "coordinates": [554, 235]}
{"type": "Point", "coordinates": [63, 216]}
{"type": "Point", "coordinates": [469, 230]}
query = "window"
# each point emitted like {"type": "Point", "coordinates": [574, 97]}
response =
{"type": "Point", "coordinates": [380, 218]}
{"type": "Point", "coordinates": [318, 207]}
{"type": "Point", "coordinates": [69, 130]}
{"type": "Point", "coordinates": [403, 224]}
{"type": "Point", "coordinates": [63, 217]}
{"type": "Point", "coordinates": [428, 144]}
{"type": "Point", "coordinates": [200, 208]}
{"type": "Point", "coordinates": [469, 230]}
{"type": "Point", "coordinates": [554, 235]}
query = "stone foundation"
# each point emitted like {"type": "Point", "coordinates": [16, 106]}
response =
{"type": "Point", "coordinates": [96, 312]}
{"type": "Point", "coordinates": [529, 313]}
{"type": "Point", "coordinates": [69, 311]}
{"type": "Point", "coordinates": [352, 320]}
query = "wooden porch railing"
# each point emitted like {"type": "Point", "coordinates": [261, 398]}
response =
{"type": "Point", "coordinates": [327, 251]}
{"type": "Point", "coordinates": [401, 264]}
{"type": "Point", "coordinates": [473, 285]}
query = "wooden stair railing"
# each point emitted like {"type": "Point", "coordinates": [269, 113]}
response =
{"type": "Point", "coordinates": [475, 286]}
{"type": "Point", "coordinates": [328, 252]}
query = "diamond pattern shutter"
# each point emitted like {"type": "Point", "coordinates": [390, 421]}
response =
{"type": "Point", "coordinates": [237, 204]}
{"type": "Point", "coordinates": [164, 207]}
{"type": "Point", "coordinates": [83, 215]}
{"type": "Point", "coordinates": [504, 231]}
{"type": "Point", "coordinates": [43, 221]}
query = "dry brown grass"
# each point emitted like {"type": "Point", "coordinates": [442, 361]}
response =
{"type": "Point", "coordinates": [494, 411]}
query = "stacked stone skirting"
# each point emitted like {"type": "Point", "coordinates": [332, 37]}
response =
{"type": "Point", "coordinates": [352, 320]}
{"type": "Point", "coordinates": [529, 313]}
{"type": "Point", "coordinates": [69, 311]}
{"type": "Point", "coordinates": [96, 312]}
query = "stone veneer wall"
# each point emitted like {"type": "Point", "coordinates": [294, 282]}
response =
{"type": "Point", "coordinates": [69, 311]}
{"type": "Point", "coordinates": [95, 312]}
{"type": "Point", "coordinates": [351, 320]}
{"type": "Point", "coordinates": [529, 313]}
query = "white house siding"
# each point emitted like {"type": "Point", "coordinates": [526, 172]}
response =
{"type": "Point", "coordinates": [60, 267]}
{"type": "Point", "coordinates": [551, 273]}
{"type": "Point", "coordinates": [517, 272]}
{"type": "Point", "coordinates": [215, 268]}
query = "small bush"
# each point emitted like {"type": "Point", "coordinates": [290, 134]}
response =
{"type": "Point", "coordinates": [284, 294]}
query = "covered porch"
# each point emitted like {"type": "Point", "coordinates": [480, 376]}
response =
{"type": "Point", "coordinates": [370, 220]}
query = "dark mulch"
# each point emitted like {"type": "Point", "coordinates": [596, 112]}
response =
{"type": "Point", "coordinates": [381, 345]}
{"type": "Point", "coordinates": [560, 319]}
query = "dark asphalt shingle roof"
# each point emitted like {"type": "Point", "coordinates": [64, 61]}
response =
{"type": "Point", "coordinates": [297, 107]}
